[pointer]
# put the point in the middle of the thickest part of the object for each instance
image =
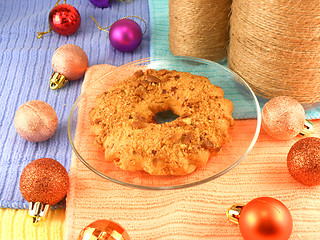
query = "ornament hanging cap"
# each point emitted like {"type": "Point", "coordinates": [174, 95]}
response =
{"type": "Point", "coordinates": [308, 128]}
{"type": "Point", "coordinates": [57, 80]}
{"type": "Point", "coordinates": [233, 213]}
{"type": "Point", "coordinates": [38, 210]}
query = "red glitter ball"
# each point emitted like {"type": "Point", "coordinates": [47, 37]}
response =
{"type": "Point", "coordinates": [44, 180]}
{"type": "Point", "coordinates": [303, 161]}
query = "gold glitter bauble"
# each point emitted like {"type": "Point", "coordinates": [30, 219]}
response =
{"type": "Point", "coordinates": [44, 180]}
{"type": "Point", "coordinates": [303, 161]}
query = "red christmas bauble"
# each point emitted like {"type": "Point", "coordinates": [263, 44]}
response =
{"type": "Point", "coordinates": [265, 218]}
{"type": "Point", "coordinates": [64, 19]}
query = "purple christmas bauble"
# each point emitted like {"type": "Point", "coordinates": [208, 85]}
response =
{"type": "Point", "coordinates": [102, 3]}
{"type": "Point", "coordinates": [125, 35]}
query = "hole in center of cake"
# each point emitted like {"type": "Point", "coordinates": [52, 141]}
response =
{"type": "Point", "coordinates": [165, 116]}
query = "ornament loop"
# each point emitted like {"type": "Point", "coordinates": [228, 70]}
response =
{"type": "Point", "coordinates": [145, 24]}
{"type": "Point", "coordinates": [40, 34]}
{"type": "Point", "coordinates": [308, 128]}
{"type": "Point", "coordinates": [105, 29]}
{"type": "Point", "coordinates": [233, 213]}
{"type": "Point", "coordinates": [100, 28]}
{"type": "Point", "coordinates": [64, 2]}
{"type": "Point", "coordinates": [125, 1]}
{"type": "Point", "coordinates": [57, 80]}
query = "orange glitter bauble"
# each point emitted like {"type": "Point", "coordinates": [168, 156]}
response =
{"type": "Point", "coordinates": [303, 161]}
{"type": "Point", "coordinates": [44, 180]}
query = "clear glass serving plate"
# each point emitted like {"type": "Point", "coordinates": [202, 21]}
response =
{"type": "Point", "coordinates": [244, 132]}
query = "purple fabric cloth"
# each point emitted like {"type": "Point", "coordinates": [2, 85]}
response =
{"type": "Point", "coordinates": [25, 66]}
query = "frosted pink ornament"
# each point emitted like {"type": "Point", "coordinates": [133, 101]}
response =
{"type": "Point", "coordinates": [35, 121]}
{"type": "Point", "coordinates": [283, 118]}
{"type": "Point", "coordinates": [69, 62]}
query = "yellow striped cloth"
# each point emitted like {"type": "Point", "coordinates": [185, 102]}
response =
{"type": "Point", "coordinates": [17, 224]}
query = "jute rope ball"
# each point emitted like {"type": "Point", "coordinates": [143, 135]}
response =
{"type": "Point", "coordinates": [275, 47]}
{"type": "Point", "coordinates": [199, 28]}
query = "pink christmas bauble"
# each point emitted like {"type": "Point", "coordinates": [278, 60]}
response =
{"type": "Point", "coordinates": [283, 118]}
{"type": "Point", "coordinates": [71, 61]}
{"type": "Point", "coordinates": [35, 121]}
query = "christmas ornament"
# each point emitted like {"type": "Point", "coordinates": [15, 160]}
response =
{"type": "Point", "coordinates": [35, 121]}
{"type": "Point", "coordinates": [125, 35]}
{"type": "Point", "coordinates": [43, 183]}
{"type": "Point", "coordinates": [303, 161]}
{"type": "Point", "coordinates": [104, 230]}
{"type": "Point", "coordinates": [69, 62]}
{"type": "Point", "coordinates": [64, 19]}
{"type": "Point", "coordinates": [284, 118]}
{"type": "Point", "coordinates": [263, 218]}
{"type": "Point", "coordinates": [106, 3]}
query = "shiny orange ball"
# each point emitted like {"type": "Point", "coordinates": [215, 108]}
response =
{"type": "Point", "coordinates": [104, 230]}
{"type": "Point", "coordinates": [265, 218]}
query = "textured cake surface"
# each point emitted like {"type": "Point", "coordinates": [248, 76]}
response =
{"type": "Point", "coordinates": [123, 121]}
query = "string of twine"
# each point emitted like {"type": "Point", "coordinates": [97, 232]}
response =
{"type": "Point", "coordinates": [40, 34]}
{"type": "Point", "coordinates": [275, 47]}
{"type": "Point", "coordinates": [199, 28]}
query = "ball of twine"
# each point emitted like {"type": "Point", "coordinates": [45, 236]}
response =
{"type": "Point", "coordinates": [199, 28]}
{"type": "Point", "coordinates": [275, 47]}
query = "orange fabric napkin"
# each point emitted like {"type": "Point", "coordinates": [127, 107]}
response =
{"type": "Point", "coordinates": [196, 212]}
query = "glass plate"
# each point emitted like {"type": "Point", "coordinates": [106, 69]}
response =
{"type": "Point", "coordinates": [244, 133]}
